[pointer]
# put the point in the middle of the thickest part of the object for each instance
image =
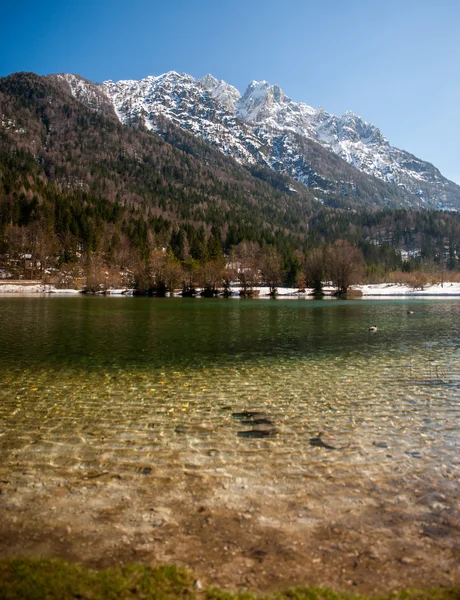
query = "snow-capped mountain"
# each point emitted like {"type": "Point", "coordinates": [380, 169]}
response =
{"type": "Point", "coordinates": [225, 94]}
{"type": "Point", "coordinates": [188, 104]}
{"type": "Point", "coordinates": [265, 127]}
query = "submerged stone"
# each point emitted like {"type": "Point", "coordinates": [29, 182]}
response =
{"type": "Point", "coordinates": [255, 433]}
{"type": "Point", "coordinates": [317, 442]}
{"type": "Point", "coordinates": [248, 414]}
{"type": "Point", "coordinates": [380, 444]}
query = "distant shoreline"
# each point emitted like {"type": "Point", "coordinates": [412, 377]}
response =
{"type": "Point", "coordinates": [380, 290]}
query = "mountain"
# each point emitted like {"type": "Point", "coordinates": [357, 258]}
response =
{"type": "Point", "coordinates": [72, 163]}
{"type": "Point", "coordinates": [265, 127]}
{"type": "Point", "coordinates": [118, 169]}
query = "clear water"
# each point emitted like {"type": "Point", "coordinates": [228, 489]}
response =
{"type": "Point", "coordinates": [165, 385]}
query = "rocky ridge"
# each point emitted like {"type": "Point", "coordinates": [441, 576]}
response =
{"type": "Point", "coordinates": [265, 127]}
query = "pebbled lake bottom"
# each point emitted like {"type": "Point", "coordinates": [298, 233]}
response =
{"type": "Point", "coordinates": [263, 444]}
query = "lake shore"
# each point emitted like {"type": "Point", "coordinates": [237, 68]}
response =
{"type": "Point", "coordinates": [238, 533]}
{"type": "Point", "coordinates": [374, 290]}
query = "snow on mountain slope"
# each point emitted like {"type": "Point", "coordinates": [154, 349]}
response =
{"type": "Point", "coordinates": [225, 94]}
{"type": "Point", "coordinates": [91, 94]}
{"type": "Point", "coordinates": [358, 143]}
{"type": "Point", "coordinates": [188, 104]}
{"type": "Point", "coordinates": [363, 146]}
{"type": "Point", "coordinates": [266, 104]}
{"type": "Point", "coordinates": [264, 126]}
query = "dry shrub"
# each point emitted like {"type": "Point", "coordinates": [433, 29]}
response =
{"type": "Point", "coordinates": [419, 280]}
{"type": "Point", "coordinates": [69, 277]}
{"type": "Point", "coordinates": [399, 277]}
{"type": "Point", "coordinates": [452, 277]}
{"type": "Point", "coordinates": [416, 280]}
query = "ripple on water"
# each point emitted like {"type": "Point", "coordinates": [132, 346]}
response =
{"type": "Point", "coordinates": [385, 407]}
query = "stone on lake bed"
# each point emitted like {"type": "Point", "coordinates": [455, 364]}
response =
{"type": "Point", "coordinates": [268, 427]}
{"type": "Point", "coordinates": [318, 442]}
{"type": "Point", "coordinates": [204, 429]}
{"type": "Point", "coordinates": [413, 453]}
{"type": "Point", "coordinates": [380, 444]}
{"type": "Point", "coordinates": [254, 434]}
{"type": "Point", "coordinates": [262, 421]}
{"type": "Point", "coordinates": [248, 414]}
{"type": "Point", "coordinates": [259, 431]}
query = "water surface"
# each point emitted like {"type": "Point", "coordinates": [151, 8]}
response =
{"type": "Point", "coordinates": [267, 404]}
{"type": "Point", "coordinates": [119, 367]}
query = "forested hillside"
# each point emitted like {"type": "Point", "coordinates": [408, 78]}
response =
{"type": "Point", "coordinates": [79, 189]}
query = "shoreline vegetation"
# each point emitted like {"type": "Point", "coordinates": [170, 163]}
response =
{"type": "Point", "coordinates": [30, 579]}
{"type": "Point", "coordinates": [247, 269]}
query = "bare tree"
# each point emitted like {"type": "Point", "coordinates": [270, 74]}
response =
{"type": "Point", "coordinates": [245, 256]}
{"type": "Point", "coordinates": [18, 247]}
{"type": "Point", "coordinates": [190, 276]}
{"type": "Point", "coordinates": [229, 275]}
{"type": "Point", "coordinates": [45, 248]}
{"type": "Point", "coordinates": [212, 277]}
{"type": "Point", "coordinates": [345, 265]}
{"type": "Point", "coordinates": [301, 281]}
{"type": "Point", "coordinates": [173, 273]}
{"type": "Point", "coordinates": [97, 274]}
{"type": "Point", "coordinates": [157, 263]}
{"type": "Point", "coordinates": [149, 274]}
{"type": "Point", "coordinates": [270, 263]}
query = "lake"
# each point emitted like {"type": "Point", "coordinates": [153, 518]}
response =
{"type": "Point", "coordinates": [267, 441]}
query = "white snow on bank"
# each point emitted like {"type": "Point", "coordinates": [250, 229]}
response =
{"type": "Point", "coordinates": [396, 289]}
{"type": "Point", "coordinates": [33, 289]}
{"type": "Point", "coordinates": [376, 290]}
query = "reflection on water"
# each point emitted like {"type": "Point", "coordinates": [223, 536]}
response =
{"type": "Point", "coordinates": [271, 389]}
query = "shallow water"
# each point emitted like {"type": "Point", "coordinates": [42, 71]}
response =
{"type": "Point", "coordinates": [125, 382]}
{"type": "Point", "coordinates": [263, 397]}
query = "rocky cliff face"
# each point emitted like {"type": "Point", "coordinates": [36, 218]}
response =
{"type": "Point", "coordinates": [265, 127]}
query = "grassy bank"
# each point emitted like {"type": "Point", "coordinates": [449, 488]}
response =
{"type": "Point", "coordinates": [23, 579]}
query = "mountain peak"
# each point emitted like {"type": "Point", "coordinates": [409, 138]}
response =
{"type": "Point", "coordinates": [209, 81]}
{"type": "Point", "coordinates": [223, 92]}
{"type": "Point", "coordinates": [261, 100]}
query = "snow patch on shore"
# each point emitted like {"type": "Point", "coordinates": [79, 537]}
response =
{"type": "Point", "coordinates": [10, 288]}
{"type": "Point", "coordinates": [371, 290]}
{"type": "Point", "coordinates": [396, 289]}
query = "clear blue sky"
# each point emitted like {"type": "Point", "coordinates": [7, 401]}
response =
{"type": "Point", "coordinates": [396, 63]}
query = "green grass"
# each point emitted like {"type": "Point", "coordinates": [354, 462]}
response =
{"type": "Point", "coordinates": [24, 579]}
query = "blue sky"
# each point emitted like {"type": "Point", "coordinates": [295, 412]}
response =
{"type": "Point", "coordinates": [396, 63]}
